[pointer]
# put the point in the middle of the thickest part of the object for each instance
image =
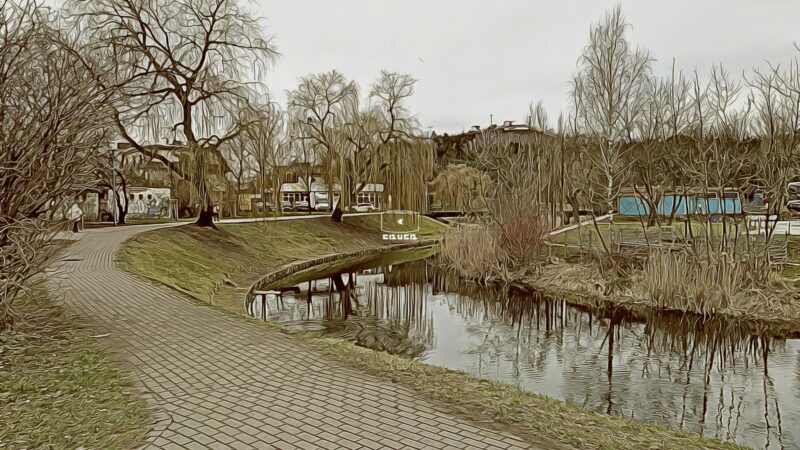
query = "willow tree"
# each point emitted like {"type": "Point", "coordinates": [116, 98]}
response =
{"type": "Point", "coordinates": [185, 70]}
{"type": "Point", "coordinates": [402, 157]}
{"type": "Point", "coordinates": [609, 95]}
{"type": "Point", "coordinates": [317, 109]}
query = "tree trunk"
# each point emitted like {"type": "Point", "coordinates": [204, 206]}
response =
{"type": "Point", "coordinates": [122, 210]}
{"type": "Point", "coordinates": [336, 216]}
{"type": "Point", "coordinates": [206, 217]}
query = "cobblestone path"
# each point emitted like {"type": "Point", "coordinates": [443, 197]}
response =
{"type": "Point", "coordinates": [215, 381]}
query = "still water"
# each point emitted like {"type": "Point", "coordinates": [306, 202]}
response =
{"type": "Point", "coordinates": [721, 379]}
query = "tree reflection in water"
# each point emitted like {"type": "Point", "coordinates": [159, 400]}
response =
{"type": "Point", "coordinates": [728, 380]}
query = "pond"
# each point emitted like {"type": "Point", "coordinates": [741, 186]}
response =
{"type": "Point", "coordinates": [724, 380]}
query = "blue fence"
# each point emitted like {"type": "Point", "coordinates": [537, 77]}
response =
{"type": "Point", "coordinates": [632, 205]}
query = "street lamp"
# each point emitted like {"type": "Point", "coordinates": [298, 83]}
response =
{"type": "Point", "coordinates": [114, 186]}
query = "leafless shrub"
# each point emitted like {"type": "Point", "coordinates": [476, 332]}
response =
{"type": "Point", "coordinates": [52, 123]}
{"type": "Point", "coordinates": [520, 232]}
{"type": "Point", "coordinates": [512, 241]}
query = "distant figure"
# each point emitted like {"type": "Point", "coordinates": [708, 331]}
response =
{"type": "Point", "coordinates": [215, 214]}
{"type": "Point", "coordinates": [75, 215]}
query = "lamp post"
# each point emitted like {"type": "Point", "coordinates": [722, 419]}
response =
{"type": "Point", "coordinates": [114, 187]}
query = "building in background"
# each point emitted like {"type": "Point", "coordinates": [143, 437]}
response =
{"type": "Point", "coordinates": [671, 204]}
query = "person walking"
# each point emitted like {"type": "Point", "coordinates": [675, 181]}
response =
{"type": "Point", "coordinates": [75, 215]}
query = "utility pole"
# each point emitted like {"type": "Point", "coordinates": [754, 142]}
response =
{"type": "Point", "coordinates": [114, 187]}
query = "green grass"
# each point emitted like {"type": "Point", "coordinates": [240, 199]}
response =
{"type": "Point", "coordinates": [59, 389]}
{"type": "Point", "coordinates": [629, 231]}
{"type": "Point", "coordinates": [211, 264]}
{"type": "Point", "coordinates": [132, 221]}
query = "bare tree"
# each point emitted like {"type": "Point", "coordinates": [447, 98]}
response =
{"type": "Point", "coordinates": [53, 123]}
{"type": "Point", "coordinates": [267, 142]}
{"type": "Point", "coordinates": [112, 172]}
{"type": "Point", "coordinates": [776, 99]}
{"type": "Point", "coordinates": [241, 162]}
{"type": "Point", "coordinates": [608, 92]}
{"type": "Point", "coordinates": [185, 69]}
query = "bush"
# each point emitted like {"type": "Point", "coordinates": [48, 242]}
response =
{"type": "Point", "coordinates": [492, 250]}
{"type": "Point", "coordinates": [520, 233]}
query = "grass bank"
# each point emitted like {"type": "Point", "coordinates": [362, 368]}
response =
{"type": "Point", "coordinates": [540, 419]}
{"type": "Point", "coordinates": [59, 389]}
{"type": "Point", "coordinates": [199, 261]}
{"type": "Point", "coordinates": [673, 275]}
{"type": "Point", "coordinates": [668, 286]}
{"type": "Point", "coordinates": [218, 266]}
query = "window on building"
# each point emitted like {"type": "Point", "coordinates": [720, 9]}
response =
{"type": "Point", "coordinates": [149, 196]}
{"type": "Point", "coordinates": [292, 196]}
{"type": "Point", "coordinates": [133, 197]}
{"type": "Point", "coordinates": [364, 197]}
{"type": "Point", "coordinates": [141, 196]}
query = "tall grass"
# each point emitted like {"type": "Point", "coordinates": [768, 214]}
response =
{"type": "Point", "coordinates": [473, 253]}
{"type": "Point", "coordinates": [707, 285]}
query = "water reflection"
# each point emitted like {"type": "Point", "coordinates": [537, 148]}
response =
{"type": "Point", "coordinates": [727, 380]}
{"type": "Point", "coordinates": [357, 307]}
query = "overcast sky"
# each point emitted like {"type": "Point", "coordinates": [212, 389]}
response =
{"type": "Point", "coordinates": [476, 58]}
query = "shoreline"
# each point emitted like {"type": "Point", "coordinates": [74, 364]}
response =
{"type": "Point", "coordinates": [327, 265]}
{"type": "Point", "coordinates": [541, 419]}
{"type": "Point", "coordinates": [551, 283]}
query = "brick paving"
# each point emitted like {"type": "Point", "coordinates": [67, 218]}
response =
{"type": "Point", "coordinates": [216, 381]}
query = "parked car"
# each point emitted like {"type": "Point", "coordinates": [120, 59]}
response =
{"type": "Point", "coordinates": [262, 206]}
{"type": "Point", "coordinates": [365, 207]}
{"type": "Point", "coordinates": [301, 205]}
{"type": "Point", "coordinates": [286, 206]}
{"type": "Point", "coordinates": [322, 205]}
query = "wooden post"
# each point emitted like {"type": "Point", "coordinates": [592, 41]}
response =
{"type": "Point", "coordinates": [264, 307]}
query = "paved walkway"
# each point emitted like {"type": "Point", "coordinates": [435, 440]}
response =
{"type": "Point", "coordinates": [216, 381]}
{"type": "Point", "coordinates": [579, 224]}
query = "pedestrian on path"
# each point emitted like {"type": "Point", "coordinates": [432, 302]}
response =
{"type": "Point", "coordinates": [75, 215]}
